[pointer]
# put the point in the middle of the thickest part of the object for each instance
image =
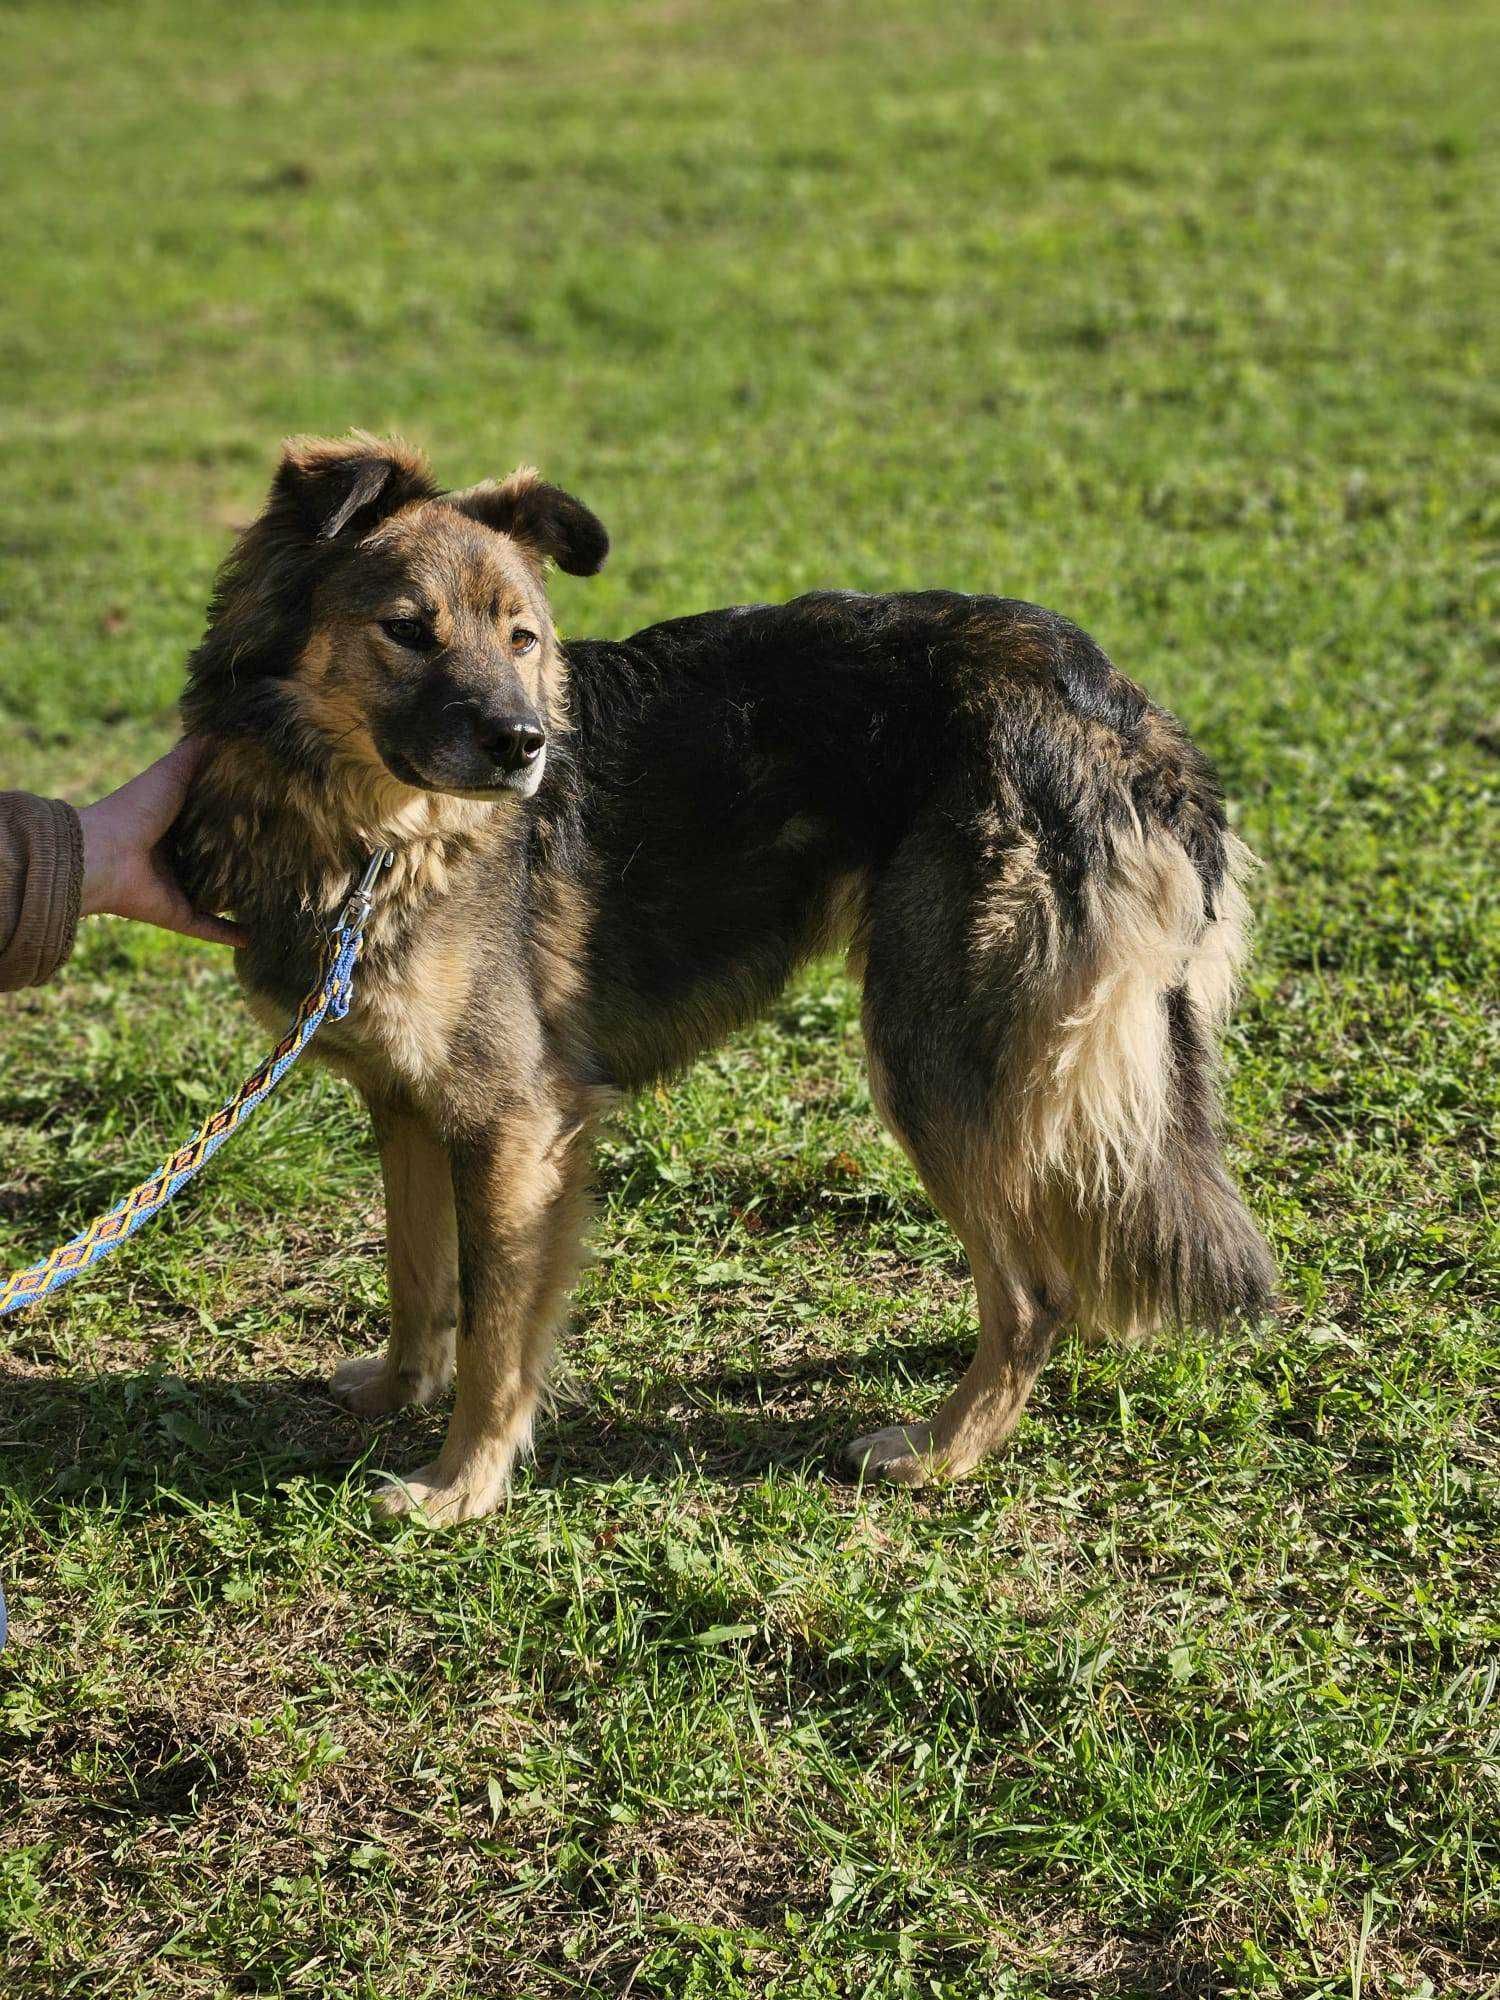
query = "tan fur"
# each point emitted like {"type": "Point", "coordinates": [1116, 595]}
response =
{"type": "Point", "coordinates": [562, 929]}
{"type": "Point", "coordinates": [359, 810]}
{"type": "Point", "coordinates": [1092, 1065]}
{"type": "Point", "coordinates": [843, 919]}
{"type": "Point", "coordinates": [530, 1202]}
{"type": "Point", "coordinates": [1082, 1114]}
{"type": "Point", "coordinates": [414, 1019]}
{"type": "Point", "coordinates": [422, 1268]}
{"type": "Point", "coordinates": [1016, 1335]}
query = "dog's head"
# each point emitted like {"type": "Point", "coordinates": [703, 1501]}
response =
{"type": "Point", "coordinates": [406, 628]}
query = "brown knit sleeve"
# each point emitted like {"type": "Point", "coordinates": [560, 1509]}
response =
{"type": "Point", "coordinates": [41, 878]}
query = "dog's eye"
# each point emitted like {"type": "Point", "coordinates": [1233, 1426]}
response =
{"type": "Point", "coordinates": [406, 631]}
{"type": "Point", "coordinates": [522, 640]}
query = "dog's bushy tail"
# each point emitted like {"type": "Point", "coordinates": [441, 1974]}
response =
{"type": "Point", "coordinates": [1108, 1147]}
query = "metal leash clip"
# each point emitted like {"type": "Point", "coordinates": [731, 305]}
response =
{"type": "Point", "coordinates": [356, 911]}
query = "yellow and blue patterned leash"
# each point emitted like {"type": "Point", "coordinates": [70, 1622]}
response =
{"type": "Point", "coordinates": [329, 998]}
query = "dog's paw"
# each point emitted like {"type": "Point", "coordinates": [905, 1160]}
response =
{"type": "Point", "coordinates": [367, 1385]}
{"type": "Point", "coordinates": [901, 1455]}
{"type": "Point", "coordinates": [439, 1500]}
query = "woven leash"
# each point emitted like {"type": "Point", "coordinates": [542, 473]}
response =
{"type": "Point", "coordinates": [329, 998]}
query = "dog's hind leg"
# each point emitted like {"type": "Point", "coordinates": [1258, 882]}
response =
{"type": "Point", "coordinates": [931, 1083]}
{"type": "Point", "coordinates": [1017, 1327]}
{"type": "Point", "coordinates": [1043, 1047]}
{"type": "Point", "coordinates": [421, 1235]}
{"type": "Point", "coordinates": [521, 1190]}
{"type": "Point", "coordinates": [1020, 1311]}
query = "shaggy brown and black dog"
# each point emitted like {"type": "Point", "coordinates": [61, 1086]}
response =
{"type": "Point", "coordinates": [607, 856]}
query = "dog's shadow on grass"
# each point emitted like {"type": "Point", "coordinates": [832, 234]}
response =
{"type": "Point", "coordinates": [734, 1425]}
{"type": "Point", "coordinates": [139, 1438]}
{"type": "Point", "coordinates": [136, 1438]}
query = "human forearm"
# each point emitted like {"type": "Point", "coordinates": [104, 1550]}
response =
{"type": "Point", "coordinates": [41, 887]}
{"type": "Point", "coordinates": [57, 865]}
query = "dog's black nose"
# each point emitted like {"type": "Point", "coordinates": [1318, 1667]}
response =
{"type": "Point", "coordinates": [511, 741]}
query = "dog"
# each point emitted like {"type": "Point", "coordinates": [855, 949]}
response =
{"type": "Point", "coordinates": [610, 855]}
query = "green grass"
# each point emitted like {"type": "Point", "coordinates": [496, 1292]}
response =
{"type": "Point", "coordinates": [1181, 321]}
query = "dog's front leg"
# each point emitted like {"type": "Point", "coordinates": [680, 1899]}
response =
{"type": "Point", "coordinates": [520, 1190]}
{"type": "Point", "coordinates": [421, 1237]}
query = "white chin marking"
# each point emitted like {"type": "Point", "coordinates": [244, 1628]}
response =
{"type": "Point", "coordinates": [532, 776]}
{"type": "Point", "coordinates": [523, 786]}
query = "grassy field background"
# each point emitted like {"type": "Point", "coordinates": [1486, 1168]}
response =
{"type": "Point", "coordinates": [1179, 320]}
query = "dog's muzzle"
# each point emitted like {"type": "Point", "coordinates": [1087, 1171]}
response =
{"type": "Point", "coordinates": [498, 749]}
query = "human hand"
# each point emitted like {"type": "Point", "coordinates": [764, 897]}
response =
{"type": "Point", "coordinates": [125, 871]}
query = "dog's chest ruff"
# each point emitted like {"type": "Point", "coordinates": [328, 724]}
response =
{"type": "Point", "coordinates": [422, 964]}
{"type": "Point", "coordinates": [418, 969]}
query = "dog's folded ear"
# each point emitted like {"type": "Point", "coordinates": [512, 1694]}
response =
{"type": "Point", "coordinates": [324, 489]}
{"type": "Point", "coordinates": [334, 483]}
{"type": "Point", "coordinates": [542, 518]}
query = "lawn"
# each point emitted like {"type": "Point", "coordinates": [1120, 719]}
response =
{"type": "Point", "coordinates": [1179, 320]}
